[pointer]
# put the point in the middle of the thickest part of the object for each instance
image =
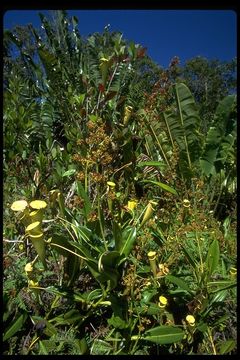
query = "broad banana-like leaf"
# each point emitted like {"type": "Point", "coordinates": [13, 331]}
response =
{"type": "Point", "coordinates": [221, 138]}
{"type": "Point", "coordinates": [178, 126]}
{"type": "Point", "coordinates": [184, 125]}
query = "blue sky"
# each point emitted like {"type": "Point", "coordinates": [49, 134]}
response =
{"type": "Point", "coordinates": [165, 33]}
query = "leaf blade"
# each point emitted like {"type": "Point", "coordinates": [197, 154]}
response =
{"type": "Point", "coordinates": [164, 335]}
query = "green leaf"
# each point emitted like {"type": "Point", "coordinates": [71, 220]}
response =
{"type": "Point", "coordinates": [84, 252]}
{"type": "Point", "coordinates": [216, 286]}
{"type": "Point", "coordinates": [127, 241]}
{"type": "Point", "coordinates": [42, 349]}
{"type": "Point", "coordinates": [49, 329]}
{"type": "Point", "coordinates": [95, 294]}
{"type": "Point", "coordinates": [117, 235]}
{"type": "Point", "coordinates": [117, 322]}
{"type": "Point", "coordinates": [68, 173]}
{"type": "Point", "coordinates": [190, 257]}
{"type": "Point", "coordinates": [83, 346]}
{"type": "Point", "coordinates": [63, 241]}
{"type": "Point", "coordinates": [220, 296]}
{"type": "Point", "coordinates": [108, 260]}
{"type": "Point", "coordinates": [227, 346]}
{"type": "Point", "coordinates": [103, 277]}
{"type": "Point", "coordinates": [100, 347]}
{"type": "Point", "coordinates": [87, 203]}
{"type": "Point", "coordinates": [164, 335]}
{"type": "Point", "coordinates": [221, 137]}
{"type": "Point", "coordinates": [213, 257]}
{"type": "Point", "coordinates": [181, 123]}
{"type": "Point", "coordinates": [202, 326]}
{"type": "Point", "coordinates": [72, 316]}
{"type": "Point", "coordinates": [147, 295]}
{"type": "Point", "coordinates": [179, 282]}
{"type": "Point", "coordinates": [54, 152]}
{"type": "Point", "coordinates": [24, 154]}
{"type": "Point", "coordinates": [150, 163]}
{"type": "Point", "coordinates": [15, 327]}
{"type": "Point", "coordinates": [150, 308]}
{"type": "Point", "coordinates": [161, 185]}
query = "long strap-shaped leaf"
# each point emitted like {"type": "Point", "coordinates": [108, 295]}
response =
{"type": "Point", "coordinates": [155, 137]}
{"type": "Point", "coordinates": [162, 335]}
{"type": "Point", "coordinates": [179, 104]}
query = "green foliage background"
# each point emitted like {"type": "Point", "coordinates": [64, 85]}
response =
{"type": "Point", "coordinates": [137, 166]}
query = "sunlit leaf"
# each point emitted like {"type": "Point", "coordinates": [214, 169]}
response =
{"type": "Point", "coordinates": [179, 282]}
{"type": "Point", "coordinates": [213, 257]}
{"type": "Point", "coordinates": [161, 185]}
{"type": "Point", "coordinates": [227, 346]}
{"type": "Point", "coordinates": [127, 240]}
{"type": "Point", "coordinates": [15, 327]}
{"type": "Point", "coordinates": [164, 335]}
{"type": "Point", "coordinates": [69, 173]}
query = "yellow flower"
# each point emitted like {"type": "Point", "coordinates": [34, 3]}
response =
{"type": "Point", "coordinates": [190, 320]}
{"type": "Point", "coordinates": [111, 184]}
{"type": "Point", "coordinates": [132, 204]}
{"type": "Point", "coordinates": [163, 270]}
{"type": "Point", "coordinates": [28, 268]}
{"type": "Point", "coordinates": [19, 205]}
{"type": "Point", "coordinates": [32, 283]}
{"type": "Point", "coordinates": [34, 228]}
{"type": "Point", "coordinates": [186, 203]}
{"type": "Point", "coordinates": [103, 60]}
{"type": "Point", "coordinates": [38, 204]}
{"type": "Point", "coordinates": [162, 302]}
{"type": "Point", "coordinates": [233, 272]}
{"type": "Point", "coordinates": [152, 255]}
{"type": "Point", "coordinates": [21, 247]}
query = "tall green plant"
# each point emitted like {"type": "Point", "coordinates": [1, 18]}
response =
{"type": "Point", "coordinates": [219, 148]}
{"type": "Point", "coordinates": [179, 128]}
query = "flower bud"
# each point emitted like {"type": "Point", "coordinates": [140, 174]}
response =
{"type": "Point", "coordinates": [132, 204]}
{"type": "Point", "coordinates": [148, 213]}
{"type": "Point", "coordinates": [127, 114]}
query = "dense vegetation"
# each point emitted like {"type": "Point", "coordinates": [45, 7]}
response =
{"type": "Point", "coordinates": [119, 197]}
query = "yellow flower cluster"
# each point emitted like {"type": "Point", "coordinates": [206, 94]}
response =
{"type": "Point", "coordinates": [31, 216]}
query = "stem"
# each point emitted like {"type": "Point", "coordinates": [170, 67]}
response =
{"type": "Point", "coordinates": [217, 202]}
{"type": "Point", "coordinates": [86, 179]}
{"type": "Point", "coordinates": [33, 342]}
{"type": "Point", "coordinates": [211, 340]}
{"type": "Point", "coordinates": [72, 252]}
{"type": "Point", "coordinates": [112, 77]}
{"type": "Point", "coordinates": [200, 253]}
{"type": "Point", "coordinates": [52, 306]}
{"type": "Point", "coordinates": [100, 218]}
